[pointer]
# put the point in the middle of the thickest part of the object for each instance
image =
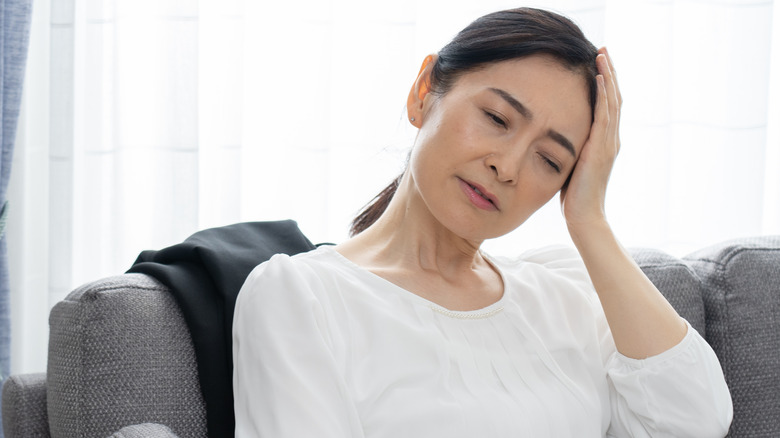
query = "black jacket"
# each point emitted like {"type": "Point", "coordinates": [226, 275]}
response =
{"type": "Point", "coordinates": [205, 274]}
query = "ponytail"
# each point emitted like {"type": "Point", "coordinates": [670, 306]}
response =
{"type": "Point", "coordinates": [374, 209]}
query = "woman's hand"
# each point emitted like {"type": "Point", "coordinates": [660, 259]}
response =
{"type": "Point", "coordinates": [582, 201]}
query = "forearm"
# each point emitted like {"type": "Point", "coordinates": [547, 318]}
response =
{"type": "Point", "coordinates": [642, 322]}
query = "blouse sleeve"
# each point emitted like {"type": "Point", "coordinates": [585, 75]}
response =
{"type": "Point", "coordinates": [285, 380]}
{"type": "Point", "coordinates": [680, 392]}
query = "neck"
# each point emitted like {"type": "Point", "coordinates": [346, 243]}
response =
{"type": "Point", "coordinates": [407, 236]}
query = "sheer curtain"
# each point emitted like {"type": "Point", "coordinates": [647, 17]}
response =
{"type": "Point", "coordinates": [144, 121]}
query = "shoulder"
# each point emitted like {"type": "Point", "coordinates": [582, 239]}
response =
{"type": "Point", "coordinates": [283, 267]}
{"type": "Point", "coordinates": [552, 273]}
{"type": "Point", "coordinates": [284, 277]}
{"type": "Point", "coordinates": [559, 261]}
{"type": "Point", "coordinates": [551, 285]}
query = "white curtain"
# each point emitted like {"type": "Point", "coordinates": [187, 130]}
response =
{"type": "Point", "coordinates": [144, 121]}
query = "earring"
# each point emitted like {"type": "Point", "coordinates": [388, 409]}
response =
{"type": "Point", "coordinates": [412, 119]}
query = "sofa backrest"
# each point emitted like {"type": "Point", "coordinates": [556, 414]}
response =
{"type": "Point", "coordinates": [121, 354]}
{"type": "Point", "coordinates": [677, 281]}
{"type": "Point", "coordinates": [741, 292]}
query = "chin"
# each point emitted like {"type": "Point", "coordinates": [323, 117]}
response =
{"type": "Point", "coordinates": [480, 233]}
{"type": "Point", "coordinates": [476, 227]}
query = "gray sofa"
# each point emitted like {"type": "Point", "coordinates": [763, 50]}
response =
{"type": "Point", "coordinates": [121, 361]}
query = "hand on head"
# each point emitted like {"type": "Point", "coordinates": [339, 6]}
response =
{"type": "Point", "coordinates": [583, 200]}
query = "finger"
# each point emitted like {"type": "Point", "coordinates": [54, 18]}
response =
{"type": "Point", "coordinates": [609, 61]}
{"type": "Point", "coordinates": [604, 136]}
{"type": "Point", "coordinates": [613, 97]}
{"type": "Point", "coordinates": [613, 75]}
{"type": "Point", "coordinates": [618, 98]}
{"type": "Point", "coordinates": [601, 120]}
{"type": "Point", "coordinates": [602, 62]}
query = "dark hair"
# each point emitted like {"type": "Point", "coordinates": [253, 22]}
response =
{"type": "Point", "coordinates": [496, 37]}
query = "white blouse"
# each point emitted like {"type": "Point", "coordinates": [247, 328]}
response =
{"type": "Point", "coordinates": [325, 348]}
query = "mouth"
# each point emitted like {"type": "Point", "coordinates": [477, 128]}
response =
{"type": "Point", "coordinates": [479, 196]}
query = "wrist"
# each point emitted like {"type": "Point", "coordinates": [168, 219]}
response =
{"type": "Point", "coordinates": [595, 230]}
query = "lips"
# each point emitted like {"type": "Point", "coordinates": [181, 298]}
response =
{"type": "Point", "coordinates": [479, 196]}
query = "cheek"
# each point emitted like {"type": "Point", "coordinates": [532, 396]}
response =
{"type": "Point", "coordinates": [532, 196]}
{"type": "Point", "coordinates": [542, 198]}
{"type": "Point", "coordinates": [440, 147]}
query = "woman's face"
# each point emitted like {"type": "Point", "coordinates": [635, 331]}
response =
{"type": "Point", "coordinates": [499, 144]}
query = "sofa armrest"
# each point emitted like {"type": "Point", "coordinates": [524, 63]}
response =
{"type": "Point", "coordinates": [120, 354]}
{"type": "Point", "coordinates": [24, 406]}
{"type": "Point", "coordinates": [146, 430]}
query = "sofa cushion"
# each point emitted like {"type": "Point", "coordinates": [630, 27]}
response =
{"type": "Point", "coordinates": [146, 430]}
{"type": "Point", "coordinates": [24, 406]}
{"type": "Point", "coordinates": [676, 281]}
{"type": "Point", "coordinates": [120, 354]}
{"type": "Point", "coordinates": [741, 293]}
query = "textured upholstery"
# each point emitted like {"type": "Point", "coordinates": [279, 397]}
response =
{"type": "Point", "coordinates": [146, 430]}
{"type": "Point", "coordinates": [120, 354]}
{"type": "Point", "coordinates": [741, 284]}
{"type": "Point", "coordinates": [24, 406]}
{"type": "Point", "coordinates": [676, 281]}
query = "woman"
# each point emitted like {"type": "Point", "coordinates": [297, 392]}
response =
{"type": "Point", "coordinates": [409, 330]}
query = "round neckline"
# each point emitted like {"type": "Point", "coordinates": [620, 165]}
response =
{"type": "Point", "coordinates": [483, 312]}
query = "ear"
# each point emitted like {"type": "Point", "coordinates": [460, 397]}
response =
{"type": "Point", "coordinates": [420, 89]}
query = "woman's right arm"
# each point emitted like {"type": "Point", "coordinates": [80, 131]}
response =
{"type": "Point", "coordinates": [286, 381]}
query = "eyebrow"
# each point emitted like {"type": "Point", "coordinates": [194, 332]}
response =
{"type": "Point", "coordinates": [525, 112]}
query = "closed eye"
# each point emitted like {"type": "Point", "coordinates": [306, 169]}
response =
{"type": "Point", "coordinates": [552, 164]}
{"type": "Point", "coordinates": [495, 119]}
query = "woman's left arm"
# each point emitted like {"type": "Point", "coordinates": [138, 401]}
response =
{"type": "Point", "coordinates": [642, 322]}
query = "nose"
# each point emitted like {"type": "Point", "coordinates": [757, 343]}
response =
{"type": "Point", "coordinates": [506, 164]}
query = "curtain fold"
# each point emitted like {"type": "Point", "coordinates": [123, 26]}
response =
{"type": "Point", "coordinates": [145, 121]}
{"type": "Point", "coordinates": [15, 16]}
